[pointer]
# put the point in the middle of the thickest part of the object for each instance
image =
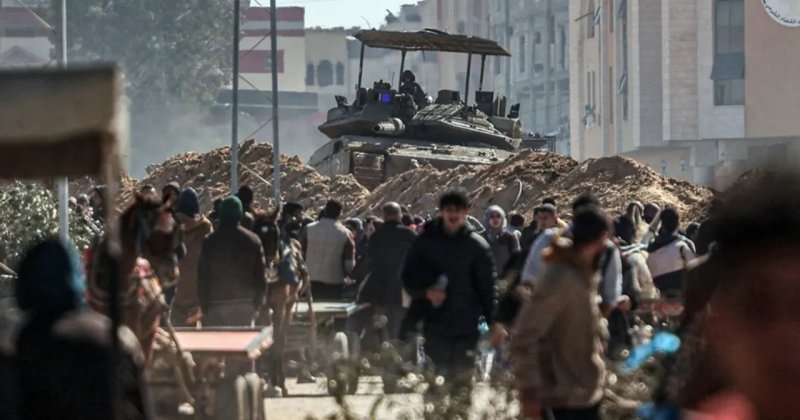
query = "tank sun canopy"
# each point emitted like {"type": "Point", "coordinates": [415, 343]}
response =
{"type": "Point", "coordinates": [430, 40]}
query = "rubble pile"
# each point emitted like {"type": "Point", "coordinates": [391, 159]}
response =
{"type": "Point", "coordinates": [520, 184]}
{"type": "Point", "coordinates": [209, 174]}
{"type": "Point", "coordinates": [618, 180]}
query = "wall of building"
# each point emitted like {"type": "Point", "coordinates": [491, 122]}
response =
{"type": "Point", "coordinates": [772, 75]}
{"type": "Point", "coordinates": [255, 47]}
{"type": "Point", "coordinates": [23, 40]}
{"type": "Point", "coordinates": [327, 48]}
{"type": "Point", "coordinates": [679, 58]}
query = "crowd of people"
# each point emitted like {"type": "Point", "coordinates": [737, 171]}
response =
{"type": "Point", "coordinates": [558, 293]}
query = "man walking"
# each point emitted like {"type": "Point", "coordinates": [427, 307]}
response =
{"type": "Point", "coordinates": [556, 350]}
{"type": "Point", "coordinates": [195, 227]}
{"type": "Point", "coordinates": [388, 247]}
{"type": "Point", "coordinates": [231, 279]}
{"type": "Point", "coordinates": [450, 274]}
{"type": "Point", "coordinates": [329, 250]}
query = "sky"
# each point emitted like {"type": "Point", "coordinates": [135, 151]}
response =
{"type": "Point", "coordinates": [345, 13]}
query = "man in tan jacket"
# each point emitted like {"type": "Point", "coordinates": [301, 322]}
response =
{"type": "Point", "coordinates": [556, 348]}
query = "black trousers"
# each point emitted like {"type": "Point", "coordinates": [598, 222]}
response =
{"type": "Point", "coordinates": [590, 413]}
{"type": "Point", "coordinates": [453, 357]}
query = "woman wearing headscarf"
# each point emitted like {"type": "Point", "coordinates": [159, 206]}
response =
{"type": "Point", "coordinates": [64, 350]}
{"type": "Point", "coordinates": [503, 243]}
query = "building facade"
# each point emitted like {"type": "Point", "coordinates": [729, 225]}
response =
{"type": "Point", "coordinates": [537, 76]}
{"type": "Point", "coordinates": [24, 40]}
{"type": "Point", "coordinates": [255, 52]}
{"type": "Point", "coordinates": [697, 90]}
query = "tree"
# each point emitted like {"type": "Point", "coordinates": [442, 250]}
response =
{"type": "Point", "coordinates": [175, 55]}
{"type": "Point", "coordinates": [170, 51]}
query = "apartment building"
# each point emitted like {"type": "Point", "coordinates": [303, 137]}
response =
{"type": "Point", "coordinates": [700, 90]}
{"type": "Point", "coordinates": [537, 33]}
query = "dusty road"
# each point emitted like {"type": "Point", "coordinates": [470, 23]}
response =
{"type": "Point", "coordinates": [310, 401]}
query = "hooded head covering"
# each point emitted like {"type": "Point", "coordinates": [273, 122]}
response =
{"type": "Point", "coordinates": [245, 195]}
{"type": "Point", "coordinates": [188, 203]}
{"type": "Point", "coordinates": [491, 232]}
{"type": "Point", "coordinates": [230, 210]}
{"type": "Point", "coordinates": [50, 280]}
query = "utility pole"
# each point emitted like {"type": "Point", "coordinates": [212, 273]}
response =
{"type": "Point", "coordinates": [63, 183]}
{"type": "Point", "coordinates": [276, 150]}
{"type": "Point", "coordinates": [235, 101]}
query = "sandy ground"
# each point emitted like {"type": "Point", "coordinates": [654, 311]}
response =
{"type": "Point", "coordinates": [310, 401]}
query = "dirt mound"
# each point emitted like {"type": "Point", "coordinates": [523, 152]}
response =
{"type": "Point", "coordinates": [617, 180]}
{"type": "Point", "coordinates": [209, 174]}
{"type": "Point", "coordinates": [521, 183]}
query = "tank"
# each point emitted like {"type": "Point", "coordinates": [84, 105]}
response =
{"type": "Point", "coordinates": [388, 130]}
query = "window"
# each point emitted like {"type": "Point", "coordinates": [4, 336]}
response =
{"type": "Point", "coordinates": [562, 49]}
{"type": "Point", "coordinates": [461, 27]}
{"type": "Point", "coordinates": [497, 65]}
{"type": "Point", "coordinates": [611, 97]}
{"type": "Point", "coordinates": [310, 74]}
{"type": "Point", "coordinates": [729, 92]}
{"type": "Point", "coordinates": [339, 73]}
{"type": "Point", "coordinates": [728, 69]}
{"type": "Point", "coordinates": [611, 16]}
{"type": "Point", "coordinates": [325, 73]}
{"type": "Point", "coordinates": [521, 54]}
{"type": "Point", "coordinates": [590, 20]}
{"type": "Point", "coordinates": [268, 61]}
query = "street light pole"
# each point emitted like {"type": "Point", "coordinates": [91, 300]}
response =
{"type": "Point", "coordinates": [235, 101]}
{"type": "Point", "coordinates": [63, 183]}
{"type": "Point", "coordinates": [276, 154]}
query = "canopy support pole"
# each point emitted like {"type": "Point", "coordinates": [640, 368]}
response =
{"type": "Point", "coordinates": [360, 70]}
{"type": "Point", "coordinates": [483, 65]}
{"type": "Point", "coordinates": [402, 66]}
{"type": "Point", "coordinates": [469, 70]}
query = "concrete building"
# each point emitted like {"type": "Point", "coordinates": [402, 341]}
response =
{"type": "Point", "coordinates": [537, 77]}
{"type": "Point", "coordinates": [698, 90]}
{"type": "Point", "coordinates": [255, 54]}
{"type": "Point", "coordinates": [24, 41]}
{"type": "Point", "coordinates": [327, 68]}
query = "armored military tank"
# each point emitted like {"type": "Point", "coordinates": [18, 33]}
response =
{"type": "Point", "coordinates": [387, 131]}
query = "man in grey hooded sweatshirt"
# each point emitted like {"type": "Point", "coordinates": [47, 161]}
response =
{"type": "Point", "coordinates": [503, 243]}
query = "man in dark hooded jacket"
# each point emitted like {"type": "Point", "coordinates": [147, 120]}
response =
{"type": "Point", "coordinates": [64, 350]}
{"type": "Point", "coordinates": [450, 274]}
{"type": "Point", "coordinates": [388, 247]}
{"type": "Point", "coordinates": [231, 280]}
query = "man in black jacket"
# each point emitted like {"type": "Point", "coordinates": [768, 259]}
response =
{"type": "Point", "coordinates": [387, 250]}
{"type": "Point", "coordinates": [231, 278]}
{"type": "Point", "coordinates": [449, 272]}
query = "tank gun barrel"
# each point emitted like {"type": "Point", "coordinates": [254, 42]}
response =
{"type": "Point", "coordinates": [392, 127]}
